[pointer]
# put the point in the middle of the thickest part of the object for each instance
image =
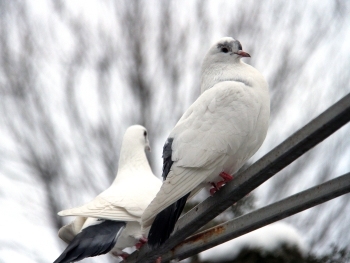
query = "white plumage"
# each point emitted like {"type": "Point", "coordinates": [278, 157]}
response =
{"type": "Point", "coordinates": [219, 132]}
{"type": "Point", "coordinates": [126, 199]}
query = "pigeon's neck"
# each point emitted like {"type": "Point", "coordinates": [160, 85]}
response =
{"type": "Point", "coordinates": [133, 158]}
{"type": "Point", "coordinates": [218, 72]}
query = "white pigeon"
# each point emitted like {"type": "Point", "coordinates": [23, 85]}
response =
{"type": "Point", "coordinates": [111, 221]}
{"type": "Point", "coordinates": [218, 133]}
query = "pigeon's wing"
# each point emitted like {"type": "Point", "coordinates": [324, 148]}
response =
{"type": "Point", "coordinates": [124, 201]}
{"type": "Point", "coordinates": [108, 206]}
{"type": "Point", "coordinates": [92, 241]}
{"type": "Point", "coordinates": [216, 124]}
{"type": "Point", "coordinates": [211, 131]}
{"type": "Point", "coordinates": [101, 208]}
{"type": "Point", "coordinates": [172, 190]}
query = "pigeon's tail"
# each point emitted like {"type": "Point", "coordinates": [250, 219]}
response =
{"type": "Point", "coordinates": [92, 241]}
{"type": "Point", "coordinates": [164, 222]}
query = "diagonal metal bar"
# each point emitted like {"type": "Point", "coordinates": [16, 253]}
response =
{"type": "Point", "coordinates": [261, 217]}
{"type": "Point", "coordinates": [292, 148]}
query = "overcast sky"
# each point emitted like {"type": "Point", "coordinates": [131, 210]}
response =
{"type": "Point", "coordinates": [277, 35]}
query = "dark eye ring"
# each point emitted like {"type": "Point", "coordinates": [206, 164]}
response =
{"type": "Point", "coordinates": [225, 50]}
{"type": "Point", "coordinates": [145, 133]}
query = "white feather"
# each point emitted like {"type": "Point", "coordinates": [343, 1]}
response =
{"type": "Point", "coordinates": [126, 199]}
{"type": "Point", "coordinates": [219, 132]}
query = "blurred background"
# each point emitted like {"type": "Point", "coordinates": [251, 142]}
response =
{"type": "Point", "coordinates": [75, 74]}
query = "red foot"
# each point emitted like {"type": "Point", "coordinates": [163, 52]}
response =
{"type": "Point", "coordinates": [141, 242]}
{"type": "Point", "coordinates": [227, 177]}
{"type": "Point", "coordinates": [220, 184]}
{"type": "Point", "coordinates": [138, 245]}
{"type": "Point", "coordinates": [214, 189]}
{"type": "Point", "coordinates": [159, 260]}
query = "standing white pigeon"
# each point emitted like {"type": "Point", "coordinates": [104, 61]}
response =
{"type": "Point", "coordinates": [111, 221]}
{"type": "Point", "coordinates": [219, 132]}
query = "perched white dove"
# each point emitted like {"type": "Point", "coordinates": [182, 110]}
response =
{"type": "Point", "coordinates": [111, 221]}
{"type": "Point", "coordinates": [219, 132]}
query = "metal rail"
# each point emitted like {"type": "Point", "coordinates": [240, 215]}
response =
{"type": "Point", "coordinates": [259, 218]}
{"type": "Point", "coordinates": [292, 148]}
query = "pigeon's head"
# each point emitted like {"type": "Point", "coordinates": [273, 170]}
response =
{"type": "Point", "coordinates": [137, 135]}
{"type": "Point", "coordinates": [226, 49]}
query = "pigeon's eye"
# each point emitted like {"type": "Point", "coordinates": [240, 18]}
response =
{"type": "Point", "coordinates": [224, 49]}
{"type": "Point", "coordinates": [239, 46]}
{"type": "Point", "coordinates": [145, 133]}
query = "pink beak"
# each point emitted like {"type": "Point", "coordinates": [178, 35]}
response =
{"type": "Point", "coordinates": [242, 53]}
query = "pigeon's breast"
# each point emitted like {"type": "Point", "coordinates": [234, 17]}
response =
{"type": "Point", "coordinates": [245, 114]}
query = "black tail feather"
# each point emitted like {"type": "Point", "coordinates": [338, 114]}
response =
{"type": "Point", "coordinates": [92, 241]}
{"type": "Point", "coordinates": [164, 223]}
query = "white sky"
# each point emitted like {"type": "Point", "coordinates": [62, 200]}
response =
{"type": "Point", "coordinates": [24, 225]}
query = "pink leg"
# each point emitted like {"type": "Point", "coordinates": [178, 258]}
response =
{"type": "Point", "coordinates": [213, 190]}
{"type": "Point", "coordinates": [142, 241]}
{"type": "Point", "coordinates": [227, 177]}
{"type": "Point", "coordinates": [220, 184]}
{"type": "Point", "coordinates": [159, 260]}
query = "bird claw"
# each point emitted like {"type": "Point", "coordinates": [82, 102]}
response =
{"type": "Point", "coordinates": [159, 260]}
{"type": "Point", "coordinates": [138, 245]}
{"type": "Point", "coordinates": [142, 241]}
{"type": "Point", "coordinates": [212, 191]}
{"type": "Point", "coordinates": [216, 187]}
{"type": "Point", "coordinates": [227, 177]}
{"type": "Point", "coordinates": [220, 184]}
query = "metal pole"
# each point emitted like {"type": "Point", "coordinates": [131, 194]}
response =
{"type": "Point", "coordinates": [261, 217]}
{"type": "Point", "coordinates": [292, 148]}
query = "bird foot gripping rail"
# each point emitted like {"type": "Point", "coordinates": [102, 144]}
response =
{"type": "Point", "coordinates": [178, 247]}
